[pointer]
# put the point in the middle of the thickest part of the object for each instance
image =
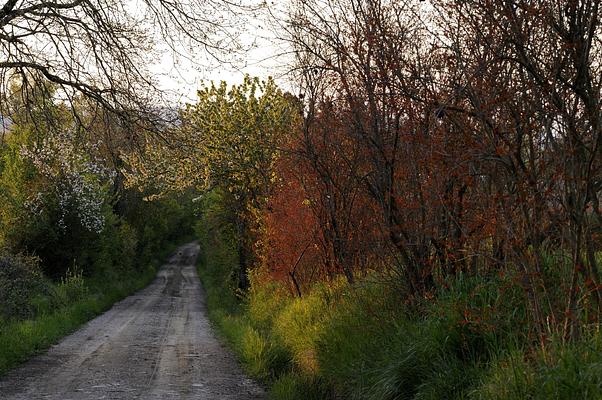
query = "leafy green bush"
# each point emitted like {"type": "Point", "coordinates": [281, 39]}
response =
{"type": "Point", "coordinates": [20, 282]}
{"type": "Point", "coordinates": [128, 244]}
{"type": "Point", "coordinates": [299, 324]}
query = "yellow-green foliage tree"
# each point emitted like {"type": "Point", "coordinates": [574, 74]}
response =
{"type": "Point", "coordinates": [228, 141]}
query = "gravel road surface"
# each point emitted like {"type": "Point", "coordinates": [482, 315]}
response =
{"type": "Point", "coordinates": [156, 344]}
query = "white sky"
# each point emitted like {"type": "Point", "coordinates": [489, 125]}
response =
{"type": "Point", "coordinates": [181, 77]}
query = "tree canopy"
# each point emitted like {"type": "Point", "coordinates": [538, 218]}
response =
{"type": "Point", "coordinates": [100, 48]}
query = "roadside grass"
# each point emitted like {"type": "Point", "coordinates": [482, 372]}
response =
{"type": "Point", "coordinates": [572, 371]}
{"type": "Point", "coordinates": [361, 342]}
{"type": "Point", "coordinates": [69, 304]}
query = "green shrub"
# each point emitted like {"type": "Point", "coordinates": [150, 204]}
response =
{"type": "Point", "coordinates": [261, 356]}
{"type": "Point", "coordinates": [128, 244]}
{"type": "Point", "coordinates": [298, 325]}
{"type": "Point", "coordinates": [20, 283]}
{"type": "Point", "coordinates": [265, 301]}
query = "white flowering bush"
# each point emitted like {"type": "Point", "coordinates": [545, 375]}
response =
{"type": "Point", "coordinates": [74, 180]}
{"type": "Point", "coordinates": [62, 201]}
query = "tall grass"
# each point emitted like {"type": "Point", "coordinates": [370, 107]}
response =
{"type": "Point", "coordinates": [473, 339]}
{"type": "Point", "coordinates": [361, 342]}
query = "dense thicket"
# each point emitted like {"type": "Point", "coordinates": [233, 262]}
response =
{"type": "Point", "coordinates": [447, 164]}
{"type": "Point", "coordinates": [64, 213]}
{"type": "Point", "coordinates": [449, 138]}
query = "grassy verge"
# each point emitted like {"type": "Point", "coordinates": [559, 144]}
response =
{"type": "Point", "coordinates": [78, 301]}
{"type": "Point", "coordinates": [471, 342]}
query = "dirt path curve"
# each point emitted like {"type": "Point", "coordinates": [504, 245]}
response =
{"type": "Point", "coordinates": [156, 344]}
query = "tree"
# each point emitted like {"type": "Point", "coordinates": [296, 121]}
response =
{"type": "Point", "coordinates": [99, 48]}
{"type": "Point", "coordinates": [54, 190]}
{"type": "Point", "coordinates": [368, 57]}
{"type": "Point", "coordinates": [478, 123]}
{"type": "Point", "coordinates": [536, 106]}
{"type": "Point", "coordinates": [228, 140]}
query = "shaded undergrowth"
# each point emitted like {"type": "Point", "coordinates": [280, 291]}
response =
{"type": "Point", "coordinates": [60, 308]}
{"type": "Point", "coordinates": [362, 342]}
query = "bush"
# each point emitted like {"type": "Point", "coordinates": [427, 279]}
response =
{"type": "Point", "coordinates": [299, 325]}
{"type": "Point", "coordinates": [21, 281]}
{"type": "Point", "coordinates": [128, 240]}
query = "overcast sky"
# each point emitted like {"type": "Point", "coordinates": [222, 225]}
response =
{"type": "Point", "coordinates": [181, 75]}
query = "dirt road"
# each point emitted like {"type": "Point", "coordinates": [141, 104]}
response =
{"type": "Point", "coordinates": [156, 344]}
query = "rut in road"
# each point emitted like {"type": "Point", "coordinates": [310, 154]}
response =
{"type": "Point", "coordinates": [156, 344]}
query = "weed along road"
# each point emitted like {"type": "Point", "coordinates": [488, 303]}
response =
{"type": "Point", "coordinates": [156, 344]}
